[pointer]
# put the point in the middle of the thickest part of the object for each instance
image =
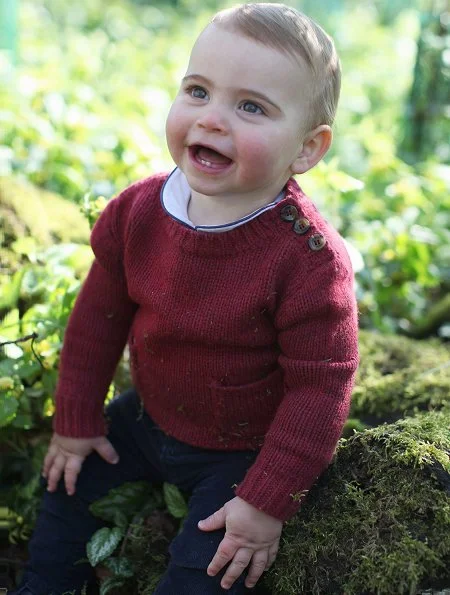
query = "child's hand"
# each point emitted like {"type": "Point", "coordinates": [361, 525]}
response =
{"type": "Point", "coordinates": [66, 455]}
{"type": "Point", "coordinates": [252, 536]}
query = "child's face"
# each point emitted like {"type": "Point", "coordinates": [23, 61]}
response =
{"type": "Point", "coordinates": [235, 128]}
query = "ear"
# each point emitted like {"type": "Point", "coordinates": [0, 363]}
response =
{"type": "Point", "coordinates": [315, 144]}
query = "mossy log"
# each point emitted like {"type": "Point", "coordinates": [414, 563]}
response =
{"type": "Point", "coordinates": [378, 521]}
{"type": "Point", "coordinates": [399, 376]}
{"type": "Point", "coordinates": [45, 216]}
{"type": "Point", "coordinates": [437, 315]}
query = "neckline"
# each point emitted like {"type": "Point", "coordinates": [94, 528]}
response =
{"type": "Point", "coordinates": [177, 179]}
{"type": "Point", "coordinates": [253, 234]}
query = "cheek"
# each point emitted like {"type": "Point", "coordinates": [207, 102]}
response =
{"type": "Point", "coordinates": [255, 152]}
{"type": "Point", "coordinates": [268, 154]}
{"type": "Point", "coordinates": [175, 131]}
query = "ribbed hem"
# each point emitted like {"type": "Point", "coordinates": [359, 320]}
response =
{"type": "Point", "coordinates": [274, 494]}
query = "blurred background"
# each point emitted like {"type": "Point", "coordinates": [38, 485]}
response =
{"type": "Point", "coordinates": [84, 91]}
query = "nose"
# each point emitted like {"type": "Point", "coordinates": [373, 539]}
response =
{"type": "Point", "coordinates": [213, 120]}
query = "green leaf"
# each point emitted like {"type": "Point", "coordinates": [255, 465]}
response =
{"type": "Point", "coordinates": [29, 370]}
{"type": "Point", "coordinates": [24, 245]}
{"type": "Point", "coordinates": [24, 421]}
{"type": "Point", "coordinates": [33, 284]}
{"type": "Point", "coordinates": [9, 324]}
{"type": "Point", "coordinates": [175, 502]}
{"type": "Point", "coordinates": [49, 380]}
{"type": "Point", "coordinates": [111, 583]}
{"type": "Point", "coordinates": [102, 544]}
{"type": "Point", "coordinates": [8, 408]}
{"type": "Point", "coordinates": [120, 519]}
{"type": "Point", "coordinates": [33, 392]}
{"type": "Point", "coordinates": [11, 291]}
{"type": "Point", "coordinates": [128, 498]}
{"type": "Point", "coordinates": [8, 367]}
{"type": "Point", "coordinates": [81, 258]}
{"type": "Point", "coordinates": [122, 567]}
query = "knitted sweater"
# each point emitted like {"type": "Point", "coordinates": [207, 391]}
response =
{"type": "Point", "coordinates": [240, 340]}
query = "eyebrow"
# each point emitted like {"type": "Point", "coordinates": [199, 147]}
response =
{"type": "Point", "coordinates": [251, 92]}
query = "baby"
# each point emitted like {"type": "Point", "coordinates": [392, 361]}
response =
{"type": "Point", "coordinates": [236, 298]}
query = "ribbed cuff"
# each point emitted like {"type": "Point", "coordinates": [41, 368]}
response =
{"type": "Point", "coordinates": [79, 418]}
{"type": "Point", "coordinates": [279, 496]}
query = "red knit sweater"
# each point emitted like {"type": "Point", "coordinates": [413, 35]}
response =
{"type": "Point", "coordinates": [243, 339]}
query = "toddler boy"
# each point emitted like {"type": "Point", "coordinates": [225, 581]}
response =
{"type": "Point", "coordinates": [236, 299]}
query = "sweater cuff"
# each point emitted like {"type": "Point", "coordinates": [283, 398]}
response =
{"type": "Point", "coordinates": [277, 495]}
{"type": "Point", "coordinates": [79, 418]}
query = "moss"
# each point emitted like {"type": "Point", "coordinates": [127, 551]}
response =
{"type": "Point", "coordinates": [44, 215]}
{"type": "Point", "coordinates": [147, 546]}
{"type": "Point", "coordinates": [66, 222]}
{"type": "Point", "coordinates": [398, 376]}
{"type": "Point", "coordinates": [378, 521]}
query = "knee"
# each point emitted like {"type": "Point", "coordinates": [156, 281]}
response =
{"type": "Point", "coordinates": [123, 403]}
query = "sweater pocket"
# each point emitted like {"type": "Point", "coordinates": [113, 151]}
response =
{"type": "Point", "coordinates": [247, 410]}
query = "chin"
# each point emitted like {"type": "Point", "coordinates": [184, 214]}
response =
{"type": "Point", "coordinates": [203, 189]}
{"type": "Point", "coordinates": [206, 187]}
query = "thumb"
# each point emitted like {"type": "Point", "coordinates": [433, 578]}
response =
{"type": "Point", "coordinates": [214, 521]}
{"type": "Point", "coordinates": [106, 450]}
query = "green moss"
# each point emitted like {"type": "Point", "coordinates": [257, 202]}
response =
{"type": "Point", "coordinates": [378, 521]}
{"type": "Point", "coordinates": [147, 546]}
{"type": "Point", "coordinates": [46, 216]}
{"type": "Point", "coordinates": [398, 376]}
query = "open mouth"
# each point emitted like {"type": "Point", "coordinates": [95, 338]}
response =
{"type": "Point", "coordinates": [209, 158]}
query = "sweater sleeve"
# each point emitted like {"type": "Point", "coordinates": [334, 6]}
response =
{"type": "Point", "coordinates": [317, 333]}
{"type": "Point", "coordinates": [97, 331]}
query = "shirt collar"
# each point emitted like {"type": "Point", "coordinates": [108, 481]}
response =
{"type": "Point", "coordinates": [175, 197]}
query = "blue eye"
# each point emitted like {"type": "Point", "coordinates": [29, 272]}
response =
{"type": "Point", "coordinates": [197, 92]}
{"type": "Point", "coordinates": [251, 108]}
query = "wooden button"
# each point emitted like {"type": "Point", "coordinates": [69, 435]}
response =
{"type": "Point", "coordinates": [301, 226]}
{"type": "Point", "coordinates": [289, 213]}
{"type": "Point", "coordinates": [317, 241]}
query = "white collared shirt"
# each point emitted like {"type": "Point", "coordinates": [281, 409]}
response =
{"type": "Point", "coordinates": [175, 198]}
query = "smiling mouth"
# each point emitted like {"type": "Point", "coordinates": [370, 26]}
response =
{"type": "Point", "coordinates": [209, 158]}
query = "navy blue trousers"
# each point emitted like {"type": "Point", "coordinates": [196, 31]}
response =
{"type": "Point", "coordinates": [146, 453]}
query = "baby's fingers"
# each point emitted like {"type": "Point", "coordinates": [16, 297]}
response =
{"type": "Point", "coordinates": [55, 471]}
{"type": "Point", "coordinates": [49, 458]}
{"type": "Point", "coordinates": [107, 451]}
{"type": "Point", "coordinates": [273, 550]}
{"type": "Point", "coordinates": [71, 471]}
{"type": "Point", "coordinates": [237, 567]}
{"type": "Point", "coordinates": [257, 567]}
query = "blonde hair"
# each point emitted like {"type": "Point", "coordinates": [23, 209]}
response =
{"type": "Point", "coordinates": [290, 31]}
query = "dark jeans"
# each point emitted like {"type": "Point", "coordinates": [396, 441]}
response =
{"type": "Point", "coordinates": [146, 453]}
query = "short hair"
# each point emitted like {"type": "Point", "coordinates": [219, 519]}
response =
{"type": "Point", "coordinates": [290, 31]}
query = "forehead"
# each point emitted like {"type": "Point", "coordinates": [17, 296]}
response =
{"type": "Point", "coordinates": [230, 59]}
